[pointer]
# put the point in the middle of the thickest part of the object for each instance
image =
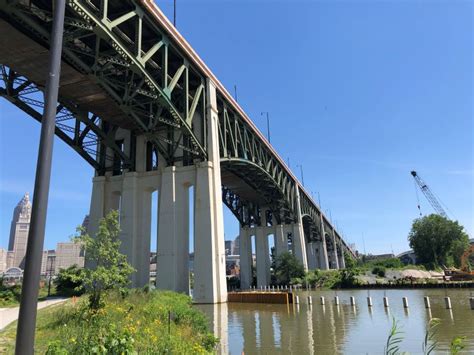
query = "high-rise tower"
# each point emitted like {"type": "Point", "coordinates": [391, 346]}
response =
{"type": "Point", "coordinates": [19, 229]}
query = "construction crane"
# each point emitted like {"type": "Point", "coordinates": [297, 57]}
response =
{"type": "Point", "coordinates": [429, 195]}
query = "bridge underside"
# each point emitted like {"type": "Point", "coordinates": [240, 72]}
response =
{"type": "Point", "coordinates": [135, 102]}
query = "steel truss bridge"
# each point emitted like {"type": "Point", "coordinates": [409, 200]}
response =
{"type": "Point", "coordinates": [125, 67]}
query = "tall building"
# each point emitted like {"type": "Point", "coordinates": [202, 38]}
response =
{"type": "Point", "coordinates": [68, 254]}
{"type": "Point", "coordinates": [19, 229]}
{"type": "Point", "coordinates": [65, 255]}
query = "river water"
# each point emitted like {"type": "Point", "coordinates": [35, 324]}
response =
{"type": "Point", "coordinates": [330, 329]}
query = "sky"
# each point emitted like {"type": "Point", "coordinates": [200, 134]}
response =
{"type": "Point", "coordinates": [359, 93]}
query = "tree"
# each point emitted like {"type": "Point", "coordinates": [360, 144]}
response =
{"type": "Point", "coordinates": [349, 261]}
{"type": "Point", "coordinates": [110, 268]}
{"type": "Point", "coordinates": [69, 281]}
{"type": "Point", "coordinates": [437, 241]}
{"type": "Point", "coordinates": [287, 267]}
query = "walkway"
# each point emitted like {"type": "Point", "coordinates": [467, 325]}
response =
{"type": "Point", "coordinates": [8, 315]}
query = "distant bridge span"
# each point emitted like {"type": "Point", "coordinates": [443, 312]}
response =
{"type": "Point", "coordinates": [140, 106]}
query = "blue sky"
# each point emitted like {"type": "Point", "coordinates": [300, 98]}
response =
{"type": "Point", "coordinates": [359, 93]}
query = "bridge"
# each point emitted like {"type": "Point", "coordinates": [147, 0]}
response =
{"type": "Point", "coordinates": [140, 106]}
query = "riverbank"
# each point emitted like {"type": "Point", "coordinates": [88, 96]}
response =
{"type": "Point", "coordinates": [142, 322]}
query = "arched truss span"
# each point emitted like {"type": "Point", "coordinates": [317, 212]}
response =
{"type": "Point", "coordinates": [244, 155]}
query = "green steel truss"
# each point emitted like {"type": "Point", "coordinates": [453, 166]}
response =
{"type": "Point", "coordinates": [82, 130]}
{"type": "Point", "coordinates": [162, 95]}
{"type": "Point", "coordinates": [134, 62]}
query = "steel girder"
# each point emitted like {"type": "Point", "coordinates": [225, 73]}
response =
{"type": "Point", "coordinates": [244, 154]}
{"type": "Point", "coordinates": [162, 95]}
{"type": "Point", "coordinates": [123, 50]}
{"type": "Point", "coordinates": [81, 130]}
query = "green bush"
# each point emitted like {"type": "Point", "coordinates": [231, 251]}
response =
{"type": "Point", "coordinates": [287, 267]}
{"type": "Point", "coordinates": [379, 270]}
{"type": "Point", "coordinates": [9, 295]}
{"type": "Point", "coordinates": [69, 281]}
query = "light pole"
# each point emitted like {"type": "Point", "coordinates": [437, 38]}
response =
{"type": "Point", "coordinates": [25, 335]}
{"type": "Point", "coordinates": [301, 171]}
{"type": "Point", "coordinates": [268, 125]}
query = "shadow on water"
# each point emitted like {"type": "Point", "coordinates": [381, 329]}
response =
{"type": "Point", "coordinates": [343, 328]}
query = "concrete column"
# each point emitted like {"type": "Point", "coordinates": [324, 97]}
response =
{"type": "Point", "coordinates": [334, 256]}
{"type": "Point", "coordinates": [140, 158]}
{"type": "Point", "coordinates": [342, 261]}
{"type": "Point", "coordinates": [173, 234]}
{"type": "Point", "coordinates": [245, 258]}
{"type": "Point", "coordinates": [281, 240]}
{"type": "Point", "coordinates": [299, 244]}
{"type": "Point", "coordinates": [323, 250]}
{"type": "Point", "coordinates": [311, 256]}
{"type": "Point", "coordinates": [135, 221]}
{"type": "Point", "coordinates": [182, 234]}
{"type": "Point", "coordinates": [96, 211]}
{"type": "Point", "coordinates": [263, 257]}
{"type": "Point", "coordinates": [209, 251]}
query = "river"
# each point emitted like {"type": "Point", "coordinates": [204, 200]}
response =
{"type": "Point", "coordinates": [343, 329]}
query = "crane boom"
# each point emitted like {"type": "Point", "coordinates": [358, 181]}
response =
{"type": "Point", "coordinates": [429, 195]}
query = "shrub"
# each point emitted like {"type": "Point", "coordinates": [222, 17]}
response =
{"type": "Point", "coordinates": [379, 271]}
{"type": "Point", "coordinates": [287, 267]}
{"type": "Point", "coordinates": [69, 282]}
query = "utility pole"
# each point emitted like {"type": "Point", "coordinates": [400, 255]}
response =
{"type": "Point", "coordinates": [174, 13]}
{"type": "Point", "coordinates": [301, 171]}
{"type": "Point", "coordinates": [268, 125]}
{"type": "Point", "coordinates": [288, 161]}
{"type": "Point", "coordinates": [50, 275]}
{"type": "Point", "coordinates": [235, 92]}
{"type": "Point", "coordinates": [25, 335]}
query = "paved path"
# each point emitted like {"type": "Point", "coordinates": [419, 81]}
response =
{"type": "Point", "coordinates": [8, 315]}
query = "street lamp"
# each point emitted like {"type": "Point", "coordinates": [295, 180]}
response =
{"type": "Point", "coordinates": [301, 170]}
{"type": "Point", "coordinates": [268, 125]}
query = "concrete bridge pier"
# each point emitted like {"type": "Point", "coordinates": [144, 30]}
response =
{"type": "Point", "coordinates": [209, 250]}
{"type": "Point", "coordinates": [312, 255]}
{"type": "Point", "coordinates": [342, 261]}
{"type": "Point", "coordinates": [299, 244]}
{"type": "Point", "coordinates": [263, 256]}
{"type": "Point", "coordinates": [334, 257]}
{"type": "Point", "coordinates": [173, 230]}
{"type": "Point", "coordinates": [246, 259]}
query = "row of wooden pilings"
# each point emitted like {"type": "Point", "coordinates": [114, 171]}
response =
{"type": "Point", "coordinates": [447, 301]}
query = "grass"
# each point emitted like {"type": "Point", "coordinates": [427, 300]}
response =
{"type": "Point", "coordinates": [142, 322]}
{"type": "Point", "coordinates": [10, 295]}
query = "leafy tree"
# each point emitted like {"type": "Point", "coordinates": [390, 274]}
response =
{"type": "Point", "coordinates": [437, 241]}
{"type": "Point", "coordinates": [69, 281]}
{"type": "Point", "coordinates": [287, 267]}
{"type": "Point", "coordinates": [110, 270]}
{"type": "Point", "coordinates": [349, 261]}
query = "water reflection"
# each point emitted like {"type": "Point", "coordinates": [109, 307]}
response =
{"type": "Point", "coordinates": [343, 328]}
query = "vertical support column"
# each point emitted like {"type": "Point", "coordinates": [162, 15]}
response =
{"type": "Point", "coordinates": [281, 240]}
{"type": "Point", "coordinates": [299, 244]}
{"type": "Point", "coordinates": [135, 220]}
{"type": "Point", "coordinates": [96, 211]}
{"type": "Point", "coordinates": [323, 250]}
{"type": "Point", "coordinates": [245, 259]}
{"type": "Point", "coordinates": [263, 258]}
{"type": "Point", "coordinates": [173, 234]}
{"type": "Point", "coordinates": [335, 257]}
{"type": "Point", "coordinates": [311, 256]}
{"type": "Point", "coordinates": [342, 261]}
{"type": "Point", "coordinates": [182, 235]}
{"type": "Point", "coordinates": [209, 251]}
